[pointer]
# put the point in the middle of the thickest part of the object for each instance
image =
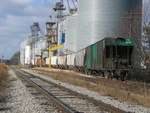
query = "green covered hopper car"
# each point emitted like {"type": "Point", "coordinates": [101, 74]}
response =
{"type": "Point", "coordinates": [111, 56]}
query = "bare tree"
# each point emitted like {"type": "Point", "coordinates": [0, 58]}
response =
{"type": "Point", "coordinates": [146, 29]}
{"type": "Point", "coordinates": [15, 60]}
{"type": "Point", "coordinates": [136, 25]}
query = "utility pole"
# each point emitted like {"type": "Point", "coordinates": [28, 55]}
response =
{"type": "Point", "coordinates": [34, 54]}
{"type": "Point", "coordinates": [131, 18]}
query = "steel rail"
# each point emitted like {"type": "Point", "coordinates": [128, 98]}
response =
{"type": "Point", "coordinates": [92, 100]}
{"type": "Point", "coordinates": [46, 94]}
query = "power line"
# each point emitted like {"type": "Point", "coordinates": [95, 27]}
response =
{"type": "Point", "coordinates": [68, 6]}
{"type": "Point", "coordinates": [131, 20]}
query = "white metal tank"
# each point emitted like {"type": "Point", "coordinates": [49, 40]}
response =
{"type": "Point", "coordinates": [23, 45]}
{"type": "Point", "coordinates": [22, 52]}
{"type": "Point", "coordinates": [98, 19]}
{"type": "Point", "coordinates": [61, 30]}
{"type": "Point", "coordinates": [71, 34]}
{"type": "Point", "coordinates": [28, 54]}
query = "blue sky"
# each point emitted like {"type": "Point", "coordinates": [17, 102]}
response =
{"type": "Point", "coordinates": [16, 16]}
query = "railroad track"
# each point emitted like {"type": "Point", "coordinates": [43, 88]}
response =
{"type": "Point", "coordinates": [128, 84]}
{"type": "Point", "coordinates": [65, 99]}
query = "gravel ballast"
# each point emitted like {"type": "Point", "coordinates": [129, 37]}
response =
{"type": "Point", "coordinates": [20, 100]}
{"type": "Point", "coordinates": [106, 99]}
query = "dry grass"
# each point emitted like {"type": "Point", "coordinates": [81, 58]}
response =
{"type": "Point", "coordinates": [3, 81]}
{"type": "Point", "coordinates": [117, 91]}
{"type": "Point", "coordinates": [3, 72]}
{"type": "Point", "coordinates": [20, 66]}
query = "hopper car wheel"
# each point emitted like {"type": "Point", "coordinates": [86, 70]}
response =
{"type": "Point", "coordinates": [102, 74]}
{"type": "Point", "coordinates": [122, 78]}
{"type": "Point", "coordinates": [107, 75]}
{"type": "Point", "coordinates": [126, 75]}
